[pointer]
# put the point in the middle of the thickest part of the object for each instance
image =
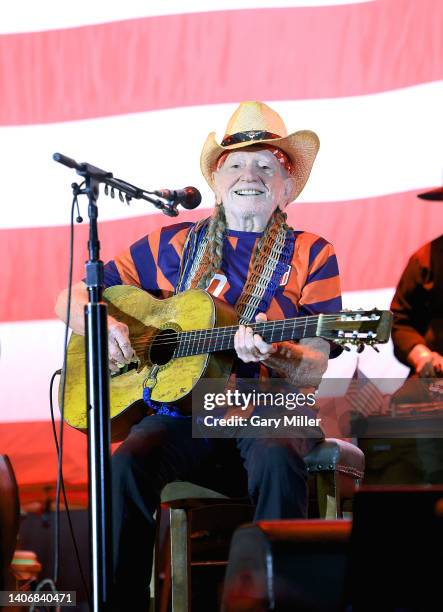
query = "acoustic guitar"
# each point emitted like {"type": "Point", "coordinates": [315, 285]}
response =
{"type": "Point", "coordinates": [182, 339]}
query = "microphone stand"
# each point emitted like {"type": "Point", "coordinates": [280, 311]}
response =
{"type": "Point", "coordinates": [97, 378]}
{"type": "Point", "coordinates": [98, 408]}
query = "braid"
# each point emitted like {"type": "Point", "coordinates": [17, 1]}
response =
{"type": "Point", "coordinates": [278, 219]}
{"type": "Point", "coordinates": [213, 254]}
{"type": "Point", "coordinates": [212, 257]}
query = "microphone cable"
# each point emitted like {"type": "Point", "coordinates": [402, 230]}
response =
{"type": "Point", "coordinates": [60, 486]}
{"type": "Point", "coordinates": [68, 513]}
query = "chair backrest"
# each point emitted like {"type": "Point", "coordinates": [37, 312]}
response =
{"type": "Point", "coordinates": [9, 517]}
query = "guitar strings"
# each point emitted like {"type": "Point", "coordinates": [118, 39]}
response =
{"type": "Point", "coordinates": [223, 333]}
{"type": "Point", "coordinates": [216, 333]}
{"type": "Point", "coordinates": [295, 321]}
{"type": "Point", "coordinates": [206, 333]}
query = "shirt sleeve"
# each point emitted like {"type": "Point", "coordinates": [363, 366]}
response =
{"type": "Point", "coordinates": [322, 291]}
{"type": "Point", "coordinates": [124, 268]}
{"type": "Point", "coordinates": [152, 263]}
{"type": "Point", "coordinates": [410, 319]}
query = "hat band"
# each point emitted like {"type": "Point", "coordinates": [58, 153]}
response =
{"type": "Point", "coordinates": [247, 136]}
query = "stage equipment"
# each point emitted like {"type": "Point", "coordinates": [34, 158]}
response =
{"type": "Point", "coordinates": [166, 200]}
{"type": "Point", "coordinates": [396, 549]}
{"type": "Point", "coordinates": [286, 566]}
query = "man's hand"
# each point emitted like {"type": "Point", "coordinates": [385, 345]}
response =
{"type": "Point", "coordinates": [120, 349]}
{"type": "Point", "coordinates": [426, 363]}
{"type": "Point", "coordinates": [302, 364]}
{"type": "Point", "coordinates": [250, 346]}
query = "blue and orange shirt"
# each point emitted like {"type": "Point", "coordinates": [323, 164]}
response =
{"type": "Point", "coordinates": [311, 284]}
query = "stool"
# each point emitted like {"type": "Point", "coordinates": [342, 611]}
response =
{"type": "Point", "coordinates": [195, 524]}
{"type": "Point", "coordinates": [335, 470]}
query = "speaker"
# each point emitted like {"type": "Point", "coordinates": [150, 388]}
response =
{"type": "Point", "coordinates": [396, 553]}
{"type": "Point", "coordinates": [287, 566]}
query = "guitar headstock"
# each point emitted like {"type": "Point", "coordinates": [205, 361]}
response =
{"type": "Point", "coordinates": [358, 327]}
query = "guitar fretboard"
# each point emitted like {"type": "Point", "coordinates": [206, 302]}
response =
{"type": "Point", "coordinates": [202, 341]}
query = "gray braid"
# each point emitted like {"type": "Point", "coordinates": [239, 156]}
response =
{"type": "Point", "coordinates": [216, 236]}
{"type": "Point", "coordinates": [278, 217]}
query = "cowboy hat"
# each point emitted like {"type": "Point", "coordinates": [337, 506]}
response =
{"type": "Point", "coordinates": [256, 123]}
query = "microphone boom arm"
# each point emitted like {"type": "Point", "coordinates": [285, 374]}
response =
{"type": "Point", "coordinates": [166, 205]}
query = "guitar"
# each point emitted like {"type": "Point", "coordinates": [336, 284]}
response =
{"type": "Point", "coordinates": [181, 339]}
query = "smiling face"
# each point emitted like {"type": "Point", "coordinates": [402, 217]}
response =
{"type": "Point", "coordinates": [251, 184]}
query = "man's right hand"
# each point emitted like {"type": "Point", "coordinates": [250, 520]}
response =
{"type": "Point", "coordinates": [120, 349]}
{"type": "Point", "coordinates": [426, 363]}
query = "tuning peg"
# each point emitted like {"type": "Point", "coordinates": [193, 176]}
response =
{"type": "Point", "coordinates": [106, 190]}
{"type": "Point", "coordinates": [360, 347]}
{"type": "Point", "coordinates": [346, 347]}
{"type": "Point", "coordinates": [112, 192]}
{"type": "Point", "coordinates": [128, 199]}
{"type": "Point", "coordinates": [376, 349]}
{"type": "Point", "coordinates": [120, 195]}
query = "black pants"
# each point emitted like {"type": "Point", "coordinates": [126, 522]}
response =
{"type": "Point", "coordinates": [160, 449]}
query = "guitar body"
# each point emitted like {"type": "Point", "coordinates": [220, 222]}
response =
{"type": "Point", "coordinates": [152, 324]}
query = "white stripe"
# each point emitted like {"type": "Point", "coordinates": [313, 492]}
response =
{"type": "Point", "coordinates": [29, 16]}
{"type": "Point", "coordinates": [31, 351]}
{"type": "Point", "coordinates": [370, 145]}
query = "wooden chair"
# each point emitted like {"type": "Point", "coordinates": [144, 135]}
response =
{"type": "Point", "coordinates": [192, 520]}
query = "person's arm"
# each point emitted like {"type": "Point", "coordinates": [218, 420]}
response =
{"type": "Point", "coordinates": [79, 298]}
{"type": "Point", "coordinates": [426, 363]}
{"type": "Point", "coordinates": [411, 318]}
{"type": "Point", "coordinates": [302, 364]}
{"type": "Point", "coordinates": [120, 349]}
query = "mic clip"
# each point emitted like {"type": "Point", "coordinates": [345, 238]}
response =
{"type": "Point", "coordinates": [170, 208]}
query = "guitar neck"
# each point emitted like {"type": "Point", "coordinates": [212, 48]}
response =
{"type": "Point", "coordinates": [201, 341]}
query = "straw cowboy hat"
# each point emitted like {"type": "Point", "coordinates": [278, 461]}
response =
{"type": "Point", "coordinates": [256, 123]}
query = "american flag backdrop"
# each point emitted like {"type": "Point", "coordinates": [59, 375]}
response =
{"type": "Point", "coordinates": [135, 87]}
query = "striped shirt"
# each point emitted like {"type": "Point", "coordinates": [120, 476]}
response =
{"type": "Point", "coordinates": [310, 286]}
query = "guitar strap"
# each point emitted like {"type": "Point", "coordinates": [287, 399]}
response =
{"type": "Point", "coordinates": [270, 265]}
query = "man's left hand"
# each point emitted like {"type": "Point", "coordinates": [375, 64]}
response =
{"type": "Point", "coordinates": [250, 346]}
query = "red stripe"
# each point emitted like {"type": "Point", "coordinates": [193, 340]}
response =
{"type": "Point", "coordinates": [219, 57]}
{"type": "Point", "coordinates": [31, 449]}
{"type": "Point", "coordinates": [373, 239]}
{"type": "Point", "coordinates": [30, 446]}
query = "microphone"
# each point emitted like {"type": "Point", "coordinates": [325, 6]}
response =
{"type": "Point", "coordinates": [189, 197]}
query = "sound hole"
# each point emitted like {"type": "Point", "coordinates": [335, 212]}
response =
{"type": "Point", "coordinates": [163, 347]}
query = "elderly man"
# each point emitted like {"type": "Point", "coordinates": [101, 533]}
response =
{"type": "Point", "coordinates": [255, 173]}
